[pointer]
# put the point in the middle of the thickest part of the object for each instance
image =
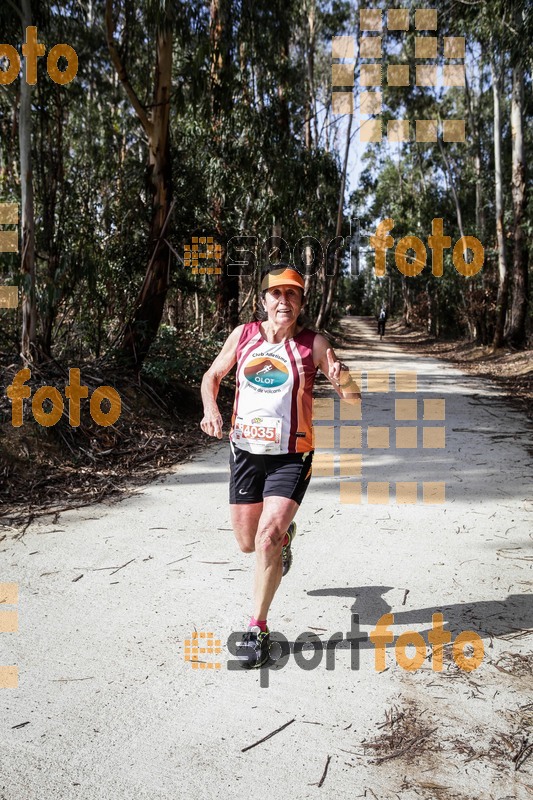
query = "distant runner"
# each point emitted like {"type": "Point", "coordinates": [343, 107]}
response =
{"type": "Point", "coordinates": [271, 437]}
{"type": "Point", "coordinates": [382, 319]}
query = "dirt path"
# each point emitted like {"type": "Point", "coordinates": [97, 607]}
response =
{"type": "Point", "coordinates": [108, 596]}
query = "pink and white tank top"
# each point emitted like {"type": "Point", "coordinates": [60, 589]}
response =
{"type": "Point", "coordinates": [273, 408]}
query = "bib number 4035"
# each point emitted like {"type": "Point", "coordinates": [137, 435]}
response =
{"type": "Point", "coordinates": [259, 432]}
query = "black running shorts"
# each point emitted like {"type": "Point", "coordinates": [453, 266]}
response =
{"type": "Point", "coordinates": [254, 477]}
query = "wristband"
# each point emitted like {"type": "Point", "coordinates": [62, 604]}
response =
{"type": "Point", "coordinates": [344, 368]}
{"type": "Point", "coordinates": [345, 385]}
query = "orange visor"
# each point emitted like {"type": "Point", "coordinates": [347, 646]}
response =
{"type": "Point", "coordinates": [282, 277]}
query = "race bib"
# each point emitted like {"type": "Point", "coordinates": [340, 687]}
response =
{"type": "Point", "coordinates": [258, 434]}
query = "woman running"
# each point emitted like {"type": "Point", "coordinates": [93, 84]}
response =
{"type": "Point", "coordinates": [271, 437]}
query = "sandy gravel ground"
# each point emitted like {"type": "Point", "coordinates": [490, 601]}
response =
{"type": "Point", "coordinates": [108, 707]}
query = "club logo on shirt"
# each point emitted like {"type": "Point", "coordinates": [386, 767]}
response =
{"type": "Point", "coordinates": [266, 372]}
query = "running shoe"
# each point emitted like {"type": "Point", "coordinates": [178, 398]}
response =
{"type": "Point", "coordinates": [286, 552]}
{"type": "Point", "coordinates": [254, 649]}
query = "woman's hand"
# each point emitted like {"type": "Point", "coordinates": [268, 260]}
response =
{"type": "Point", "coordinates": [335, 368]}
{"type": "Point", "coordinates": [212, 423]}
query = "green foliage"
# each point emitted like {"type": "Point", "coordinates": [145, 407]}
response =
{"type": "Point", "coordinates": [416, 182]}
{"type": "Point", "coordinates": [240, 161]}
{"type": "Point", "coordinates": [182, 356]}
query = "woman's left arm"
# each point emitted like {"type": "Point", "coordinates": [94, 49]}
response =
{"type": "Point", "coordinates": [335, 371]}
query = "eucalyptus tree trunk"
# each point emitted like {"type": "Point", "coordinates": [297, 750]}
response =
{"type": "Point", "coordinates": [327, 301]}
{"type": "Point", "coordinates": [503, 284]}
{"type": "Point", "coordinates": [226, 286]}
{"type": "Point", "coordinates": [484, 321]}
{"type": "Point", "coordinates": [473, 116]}
{"type": "Point", "coordinates": [516, 335]}
{"type": "Point", "coordinates": [141, 329]}
{"type": "Point", "coordinates": [29, 299]}
{"type": "Point", "coordinates": [407, 302]}
{"type": "Point", "coordinates": [310, 102]}
{"type": "Point", "coordinates": [276, 252]}
{"type": "Point", "coordinates": [471, 321]}
{"type": "Point", "coordinates": [311, 278]}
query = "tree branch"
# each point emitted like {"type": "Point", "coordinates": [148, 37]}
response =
{"type": "Point", "coordinates": [121, 70]}
{"type": "Point", "coordinates": [16, 9]}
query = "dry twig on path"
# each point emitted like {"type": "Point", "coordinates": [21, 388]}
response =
{"type": "Point", "coordinates": [526, 748]}
{"type": "Point", "coordinates": [122, 566]}
{"type": "Point", "coordinates": [323, 778]}
{"type": "Point", "coordinates": [406, 732]}
{"type": "Point", "coordinates": [268, 736]}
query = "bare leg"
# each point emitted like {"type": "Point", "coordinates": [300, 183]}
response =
{"type": "Point", "coordinates": [277, 514]}
{"type": "Point", "coordinates": [244, 519]}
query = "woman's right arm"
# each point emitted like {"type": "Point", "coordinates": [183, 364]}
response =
{"type": "Point", "coordinates": [226, 359]}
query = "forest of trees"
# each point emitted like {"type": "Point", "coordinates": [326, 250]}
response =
{"type": "Point", "coordinates": [195, 119]}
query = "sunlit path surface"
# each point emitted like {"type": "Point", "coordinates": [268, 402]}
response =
{"type": "Point", "coordinates": [109, 595]}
